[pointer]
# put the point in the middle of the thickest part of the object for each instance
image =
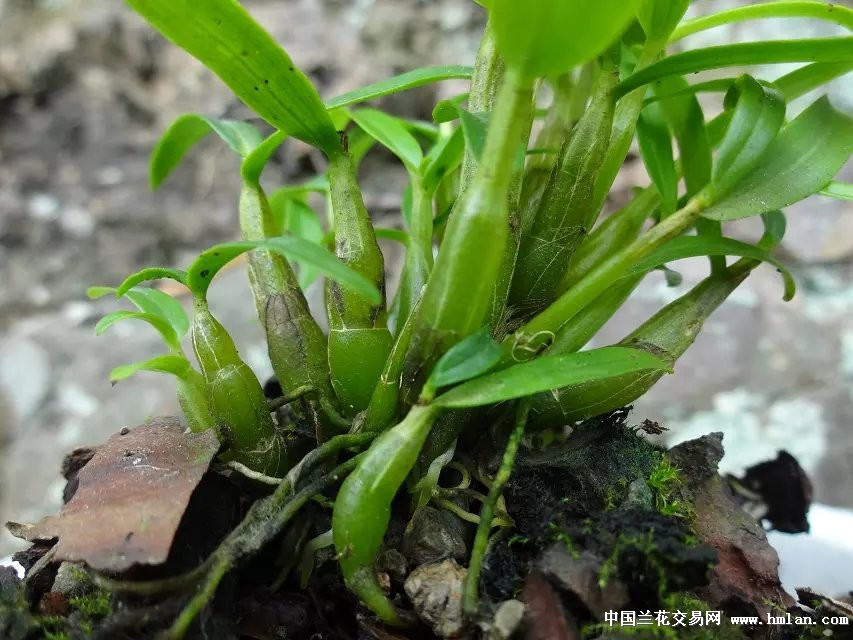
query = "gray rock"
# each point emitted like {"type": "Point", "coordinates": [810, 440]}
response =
{"type": "Point", "coordinates": [507, 620]}
{"type": "Point", "coordinates": [435, 591]}
{"type": "Point", "coordinates": [578, 574]}
{"type": "Point", "coordinates": [432, 535]}
{"type": "Point", "coordinates": [72, 580]}
{"type": "Point", "coordinates": [640, 496]}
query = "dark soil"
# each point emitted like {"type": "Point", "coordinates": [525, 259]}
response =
{"type": "Point", "coordinates": [603, 522]}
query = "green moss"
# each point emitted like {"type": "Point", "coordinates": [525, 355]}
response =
{"type": "Point", "coordinates": [558, 535]}
{"type": "Point", "coordinates": [93, 605]}
{"type": "Point", "coordinates": [644, 543]}
{"type": "Point", "coordinates": [54, 627]}
{"type": "Point", "coordinates": [665, 481]}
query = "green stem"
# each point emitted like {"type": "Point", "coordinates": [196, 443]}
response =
{"type": "Point", "coordinates": [624, 125]}
{"type": "Point", "coordinates": [470, 597]}
{"type": "Point", "coordinates": [359, 340]}
{"type": "Point", "coordinates": [295, 342]}
{"type": "Point", "coordinates": [489, 71]}
{"type": "Point", "coordinates": [419, 259]}
{"type": "Point", "coordinates": [194, 399]}
{"type": "Point", "coordinates": [386, 396]}
{"type": "Point", "coordinates": [608, 272]}
{"type": "Point", "coordinates": [296, 394]}
{"type": "Point", "coordinates": [457, 298]}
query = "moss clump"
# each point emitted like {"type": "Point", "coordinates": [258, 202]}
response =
{"type": "Point", "coordinates": [93, 605]}
{"type": "Point", "coordinates": [665, 481]}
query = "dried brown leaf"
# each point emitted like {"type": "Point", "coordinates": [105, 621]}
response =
{"type": "Point", "coordinates": [130, 499]}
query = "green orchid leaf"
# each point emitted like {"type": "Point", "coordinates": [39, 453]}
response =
{"type": "Point", "coordinates": [658, 19]}
{"type": "Point", "coordinates": [682, 89]}
{"type": "Point", "coordinates": [255, 161]}
{"type": "Point", "coordinates": [742, 54]}
{"type": "Point", "coordinates": [546, 373]}
{"type": "Point", "coordinates": [160, 324]}
{"type": "Point", "coordinates": [153, 301]}
{"type": "Point", "coordinates": [695, 246]}
{"type": "Point", "coordinates": [775, 225]}
{"type": "Point", "coordinates": [208, 264]}
{"type": "Point", "coordinates": [686, 120]}
{"type": "Point", "coordinates": [838, 190]}
{"type": "Point", "coordinates": [186, 131]}
{"type": "Point", "coordinates": [400, 83]}
{"type": "Point", "coordinates": [318, 184]}
{"type": "Point", "coordinates": [148, 274]}
{"type": "Point", "coordinates": [360, 142]}
{"type": "Point", "coordinates": [475, 355]}
{"type": "Point", "coordinates": [227, 40]}
{"type": "Point", "coordinates": [756, 11]}
{"type": "Point", "coordinates": [804, 158]}
{"type": "Point", "coordinates": [175, 365]}
{"type": "Point", "coordinates": [448, 110]}
{"type": "Point", "coordinates": [548, 37]}
{"type": "Point", "coordinates": [394, 235]}
{"type": "Point", "coordinates": [758, 116]}
{"type": "Point", "coordinates": [392, 134]}
{"type": "Point", "coordinates": [800, 81]}
{"type": "Point", "coordinates": [475, 128]}
{"type": "Point", "coordinates": [444, 158]}
{"type": "Point", "coordinates": [656, 150]}
{"type": "Point", "coordinates": [300, 220]}
{"type": "Point", "coordinates": [421, 128]}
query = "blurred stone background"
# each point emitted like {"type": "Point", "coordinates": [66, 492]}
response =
{"type": "Point", "coordinates": [86, 88]}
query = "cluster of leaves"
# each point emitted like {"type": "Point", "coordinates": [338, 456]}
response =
{"type": "Point", "coordinates": [509, 271]}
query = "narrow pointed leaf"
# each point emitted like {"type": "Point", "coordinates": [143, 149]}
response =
{"type": "Point", "coordinates": [656, 149]}
{"type": "Point", "coordinates": [694, 246]}
{"type": "Point", "coordinates": [658, 19]}
{"type": "Point", "coordinates": [448, 110]}
{"type": "Point", "coordinates": [686, 119]}
{"type": "Point", "coordinates": [546, 373]}
{"type": "Point", "coordinates": [186, 131]}
{"type": "Point", "coordinates": [208, 264]}
{"type": "Point", "coordinates": [718, 85]}
{"type": "Point", "coordinates": [472, 357]}
{"type": "Point", "coordinates": [803, 159]}
{"type": "Point", "coordinates": [756, 11]}
{"type": "Point", "coordinates": [442, 159]}
{"type": "Point", "coordinates": [391, 133]}
{"type": "Point", "coordinates": [153, 301]}
{"type": "Point", "coordinates": [758, 116]}
{"type": "Point", "coordinates": [394, 235]}
{"type": "Point", "coordinates": [160, 324]}
{"type": "Point", "coordinates": [258, 157]}
{"type": "Point", "coordinates": [775, 225]}
{"type": "Point", "coordinates": [838, 190]}
{"type": "Point", "coordinates": [223, 36]}
{"type": "Point", "coordinates": [800, 81]}
{"type": "Point", "coordinates": [301, 221]}
{"type": "Point", "coordinates": [475, 127]}
{"type": "Point", "coordinates": [175, 365]}
{"type": "Point", "coordinates": [403, 82]}
{"type": "Point", "coordinates": [743, 54]}
{"type": "Point", "coordinates": [148, 274]}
